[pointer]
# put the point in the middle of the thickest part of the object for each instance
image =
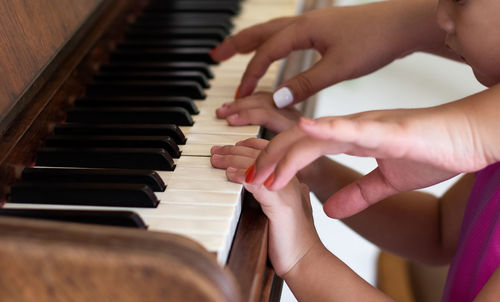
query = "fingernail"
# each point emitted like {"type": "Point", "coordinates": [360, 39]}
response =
{"type": "Point", "coordinates": [250, 174]}
{"type": "Point", "coordinates": [223, 109]}
{"type": "Point", "coordinates": [214, 149]}
{"type": "Point", "coordinates": [269, 181]}
{"type": "Point", "coordinates": [220, 110]}
{"type": "Point", "coordinates": [283, 97]}
{"type": "Point", "coordinates": [237, 93]}
{"type": "Point", "coordinates": [213, 51]}
{"type": "Point", "coordinates": [307, 121]}
{"type": "Point", "coordinates": [233, 117]}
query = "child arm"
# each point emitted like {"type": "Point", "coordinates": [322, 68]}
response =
{"type": "Point", "coordinates": [491, 290]}
{"type": "Point", "coordinates": [297, 254]}
{"type": "Point", "coordinates": [321, 276]}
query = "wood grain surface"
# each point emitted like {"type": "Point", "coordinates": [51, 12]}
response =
{"type": "Point", "coordinates": [50, 261]}
{"type": "Point", "coordinates": [33, 31]}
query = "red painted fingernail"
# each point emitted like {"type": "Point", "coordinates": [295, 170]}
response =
{"type": "Point", "coordinates": [250, 174]}
{"type": "Point", "coordinates": [213, 51]}
{"type": "Point", "coordinates": [237, 93]}
{"type": "Point", "coordinates": [269, 181]}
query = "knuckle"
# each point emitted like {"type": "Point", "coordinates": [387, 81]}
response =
{"type": "Point", "coordinates": [226, 149]}
{"type": "Point", "coordinates": [240, 41]}
{"type": "Point", "coordinates": [244, 142]}
{"type": "Point", "coordinates": [302, 86]}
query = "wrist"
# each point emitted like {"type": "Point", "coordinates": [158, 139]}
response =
{"type": "Point", "coordinates": [481, 111]}
{"type": "Point", "coordinates": [305, 265]}
{"type": "Point", "coordinates": [417, 28]}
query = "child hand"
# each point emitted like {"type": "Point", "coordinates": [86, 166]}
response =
{"type": "Point", "coordinates": [291, 227]}
{"type": "Point", "coordinates": [352, 41]}
{"type": "Point", "coordinates": [414, 149]}
{"type": "Point", "coordinates": [258, 109]}
{"type": "Point", "coordinates": [236, 159]}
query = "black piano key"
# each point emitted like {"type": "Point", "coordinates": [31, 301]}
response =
{"type": "Point", "coordinates": [221, 20]}
{"type": "Point", "coordinates": [91, 194]}
{"type": "Point", "coordinates": [98, 141]}
{"type": "Point", "coordinates": [220, 6]}
{"type": "Point", "coordinates": [168, 43]}
{"type": "Point", "coordinates": [125, 101]}
{"type": "Point", "coordinates": [162, 55]}
{"type": "Point", "coordinates": [159, 67]}
{"type": "Point", "coordinates": [205, 33]}
{"type": "Point", "coordinates": [170, 130]}
{"type": "Point", "coordinates": [194, 76]}
{"type": "Point", "coordinates": [130, 115]}
{"type": "Point", "coordinates": [220, 29]}
{"type": "Point", "coordinates": [110, 218]}
{"type": "Point", "coordinates": [146, 88]}
{"type": "Point", "coordinates": [148, 177]}
{"type": "Point", "coordinates": [124, 158]}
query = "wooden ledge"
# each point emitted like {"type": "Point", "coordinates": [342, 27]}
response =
{"type": "Point", "coordinates": [50, 261]}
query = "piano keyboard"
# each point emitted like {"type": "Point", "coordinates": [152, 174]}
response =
{"type": "Point", "coordinates": [198, 201]}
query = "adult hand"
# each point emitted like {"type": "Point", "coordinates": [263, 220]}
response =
{"type": "Point", "coordinates": [352, 41]}
{"type": "Point", "coordinates": [414, 149]}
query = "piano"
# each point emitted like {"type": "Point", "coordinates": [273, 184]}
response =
{"type": "Point", "coordinates": [107, 119]}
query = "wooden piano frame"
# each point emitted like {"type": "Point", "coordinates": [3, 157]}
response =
{"type": "Point", "coordinates": [38, 258]}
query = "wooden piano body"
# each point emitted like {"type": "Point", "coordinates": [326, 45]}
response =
{"type": "Point", "coordinates": [49, 49]}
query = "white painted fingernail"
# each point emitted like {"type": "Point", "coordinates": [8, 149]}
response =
{"type": "Point", "coordinates": [283, 97]}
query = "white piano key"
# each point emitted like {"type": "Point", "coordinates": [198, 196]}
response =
{"type": "Point", "coordinates": [195, 149]}
{"type": "Point", "coordinates": [203, 117]}
{"type": "Point", "coordinates": [207, 185]}
{"type": "Point", "coordinates": [164, 210]}
{"type": "Point", "coordinates": [189, 226]}
{"type": "Point", "coordinates": [195, 173]}
{"type": "Point", "coordinates": [214, 139]}
{"type": "Point", "coordinates": [168, 210]}
{"type": "Point", "coordinates": [198, 197]}
{"type": "Point", "coordinates": [193, 161]}
{"type": "Point", "coordinates": [251, 130]}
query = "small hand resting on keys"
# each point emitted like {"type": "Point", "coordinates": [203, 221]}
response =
{"type": "Point", "coordinates": [259, 109]}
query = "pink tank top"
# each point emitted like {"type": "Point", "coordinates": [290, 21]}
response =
{"type": "Point", "coordinates": [478, 252]}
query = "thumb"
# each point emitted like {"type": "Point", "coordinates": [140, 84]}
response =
{"type": "Point", "coordinates": [359, 195]}
{"type": "Point", "coordinates": [305, 84]}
